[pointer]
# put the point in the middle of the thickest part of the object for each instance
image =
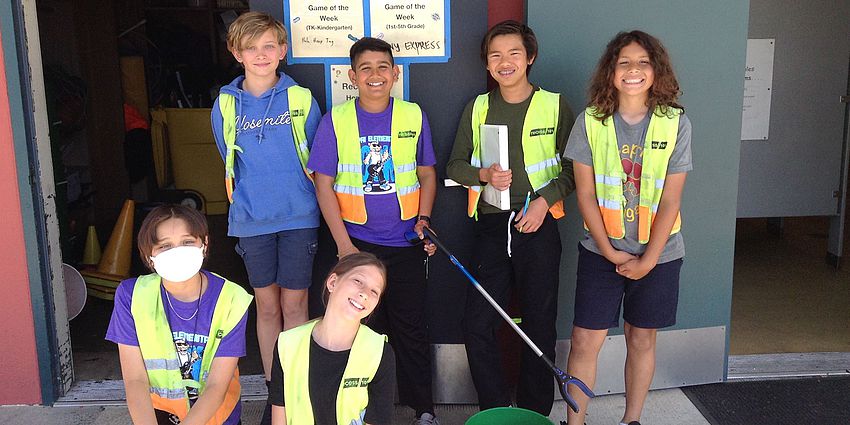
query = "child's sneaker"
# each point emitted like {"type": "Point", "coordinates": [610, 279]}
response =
{"type": "Point", "coordinates": [428, 419]}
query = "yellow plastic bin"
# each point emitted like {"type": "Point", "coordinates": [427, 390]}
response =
{"type": "Point", "coordinates": [195, 161]}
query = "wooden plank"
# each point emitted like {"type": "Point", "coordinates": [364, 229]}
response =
{"type": "Point", "coordinates": [110, 392]}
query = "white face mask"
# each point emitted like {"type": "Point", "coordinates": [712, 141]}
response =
{"type": "Point", "coordinates": [180, 263]}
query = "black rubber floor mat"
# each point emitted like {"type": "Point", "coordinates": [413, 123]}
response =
{"type": "Point", "coordinates": [822, 401]}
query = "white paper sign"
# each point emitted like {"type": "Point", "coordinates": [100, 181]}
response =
{"type": "Point", "coordinates": [324, 28]}
{"type": "Point", "coordinates": [342, 89]}
{"type": "Point", "coordinates": [758, 83]}
{"type": "Point", "coordinates": [415, 28]}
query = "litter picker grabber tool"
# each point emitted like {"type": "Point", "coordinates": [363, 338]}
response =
{"type": "Point", "coordinates": [562, 377]}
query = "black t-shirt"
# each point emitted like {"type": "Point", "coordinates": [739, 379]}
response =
{"type": "Point", "coordinates": [324, 377]}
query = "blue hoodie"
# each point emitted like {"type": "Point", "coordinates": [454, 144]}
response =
{"type": "Point", "coordinates": [271, 191]}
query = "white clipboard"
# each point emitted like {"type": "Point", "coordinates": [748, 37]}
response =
{"type": "Point", "coordinates": [494, 149]}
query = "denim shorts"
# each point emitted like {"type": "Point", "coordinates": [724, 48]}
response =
{"type": "Point", "coordinates": [650, 302]}
{"type": "Point", "coordinates": [284, 258]}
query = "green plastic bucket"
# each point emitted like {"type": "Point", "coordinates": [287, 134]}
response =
{"type": "Point", "coordinates": [508, 416]}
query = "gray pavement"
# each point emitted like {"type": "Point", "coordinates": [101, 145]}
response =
{"type": "Point", "coordinates": [663, 407]}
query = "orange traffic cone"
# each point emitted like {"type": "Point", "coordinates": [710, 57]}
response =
{"type": "Point", "coordinates": [91, 253]}
{"type": "Point", "coordinates": [116, 256]}
{"type": "Point", "coordinates": [114, 264]}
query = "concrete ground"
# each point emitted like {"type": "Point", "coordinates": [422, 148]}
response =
{"type": "Point", "coordinates": [783, 294]}
{"type": "Point", "coordinates": [663, 407]}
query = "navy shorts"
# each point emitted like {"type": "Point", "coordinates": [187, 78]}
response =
{"type": "Point", "coordinates": [649, 302]}
{"type": "Point", "coordinates": [284, 258]}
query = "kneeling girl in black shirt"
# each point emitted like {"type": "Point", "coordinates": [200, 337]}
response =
{"type": "Point", "coordinates": [335, 370]}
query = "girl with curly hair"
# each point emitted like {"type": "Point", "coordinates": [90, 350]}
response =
{"type": "Point", "coordinates": [631, 153]}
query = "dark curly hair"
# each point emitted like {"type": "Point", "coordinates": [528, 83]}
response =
{"type": "Point", "coordinates": [664, 92]}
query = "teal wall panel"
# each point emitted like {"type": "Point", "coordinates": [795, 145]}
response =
{"type": "Point", "coordinates": [707, 43]}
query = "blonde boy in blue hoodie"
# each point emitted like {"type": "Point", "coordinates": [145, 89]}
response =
{"type": "Point", "coordinates": [264, 124]}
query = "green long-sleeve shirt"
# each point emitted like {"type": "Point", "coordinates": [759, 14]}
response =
{"type": "Point", "coordinates": [460, 170]}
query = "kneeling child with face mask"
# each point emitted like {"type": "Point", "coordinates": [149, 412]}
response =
{"type": "Point", "coordinates": [181, 330]}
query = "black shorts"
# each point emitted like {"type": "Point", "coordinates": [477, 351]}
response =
{"type": "Point", "coordinates": [649, 302]}
{"type": "Point", "coordinates": [284, 258]}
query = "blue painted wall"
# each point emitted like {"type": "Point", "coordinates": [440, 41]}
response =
{"type": "Point", "coordinates": [707, 43]}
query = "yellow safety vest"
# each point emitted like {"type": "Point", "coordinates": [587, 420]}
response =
{"type": "Point", "coordinates": [348, 184]}
{"type": "Point", "coordinates": [610, 176]}
{"type": "Point", "coordinates": [539, 145]}
{"type": "Point", "coordinates": [352, 397]}
{"type": "Point", "coordinates": [300, 102]}
{"type": "Point", "coordinates": [167, 386]}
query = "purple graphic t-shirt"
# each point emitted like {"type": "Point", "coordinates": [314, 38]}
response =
{"type": "Point", "coordinates": [190, 336]}
{"type": "Point", "coordinates": [383, 223]}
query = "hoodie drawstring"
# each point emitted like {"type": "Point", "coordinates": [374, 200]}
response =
{"type": "Point", "coordinates": [266, 114]}
{"type": "Point", "coordinates": [510, 225]}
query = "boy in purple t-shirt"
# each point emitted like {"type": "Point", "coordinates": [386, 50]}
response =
{"type": "Point", "coordinates": [375, 181]}
{"type": "Point", "coordinates": [190, 336]}
{"type": "Point", "coordinates": [181, 330]}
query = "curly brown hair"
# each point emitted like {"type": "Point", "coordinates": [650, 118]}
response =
{"type": "Point", "coordinates": [663, 93]}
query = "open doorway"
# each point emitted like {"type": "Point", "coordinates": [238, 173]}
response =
{"type": "Point", "coordinates": [100, 59]}
{"type": "Point", "coordinates": [786, 298]}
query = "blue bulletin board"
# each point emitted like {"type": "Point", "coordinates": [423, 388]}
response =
{"type": "Point", "coordinates": [442, 89]}
{"type": "Point", "coordinates": [322, 31]}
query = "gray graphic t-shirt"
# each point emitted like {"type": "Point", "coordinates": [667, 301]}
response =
{"type": "Point", "coordinates": [630, 139]}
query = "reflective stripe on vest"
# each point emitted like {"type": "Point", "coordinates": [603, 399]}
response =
{"type": "Point", "coordinates": [352, 397]}
{"type": "Point", "coordinates": [300, 102]}
{"type": "Point", "coordinates": [539, 145]}
{"type": "Point", "coordinates": [610, 176]}
{"type": "Point", "coordinates": [348, 184]}
{"type": "Point", "coordinates": [167, 386]}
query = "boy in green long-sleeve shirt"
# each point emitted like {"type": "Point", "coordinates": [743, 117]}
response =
{"type": "Point", "coordinates": [520, 247]}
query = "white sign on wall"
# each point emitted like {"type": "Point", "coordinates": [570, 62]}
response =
{"type": "Point", "coordinates": [324, 28]}
{"type": "Point", "coordinates": [414, 28]}
{"type": "Point", "coordinates": [322, 31]}
{"type": "Point", "coordinates": [758, 82]}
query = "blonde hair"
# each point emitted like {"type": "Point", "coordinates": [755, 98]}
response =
{"type": "Point", "coordinates": [251, 25]}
